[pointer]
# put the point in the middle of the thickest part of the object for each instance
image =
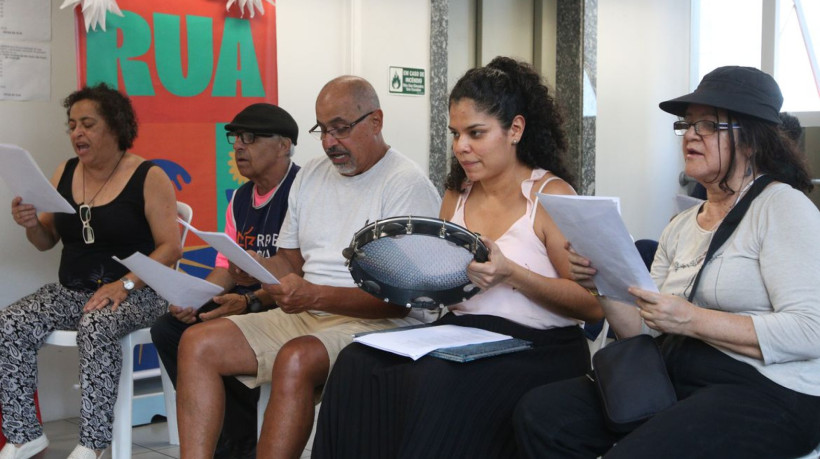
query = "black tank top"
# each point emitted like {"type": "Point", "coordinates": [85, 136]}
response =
{"type": "Point", "coordinates": [120, 228]}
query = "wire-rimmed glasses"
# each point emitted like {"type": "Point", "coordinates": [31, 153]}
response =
{"type": "Point", "coordinates": [85, 218]}
{"type": "Point", "coordinates": [339, 132]}
{"type": "Point", "coordinates": [702, 127]}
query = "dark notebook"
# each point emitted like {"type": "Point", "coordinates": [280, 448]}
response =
{"type": "Point", "coordinates": [472, 352]}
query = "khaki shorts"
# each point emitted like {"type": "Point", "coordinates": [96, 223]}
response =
{"type": "Point", "coordinates": [268, 331]}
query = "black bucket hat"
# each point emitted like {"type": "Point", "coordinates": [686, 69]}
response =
{"type": "Point", "coordinates": [265, 118]}
{"type": "Point", "coordinates": [744, 90]}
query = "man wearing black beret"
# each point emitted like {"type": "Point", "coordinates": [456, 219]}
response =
{"type": "Point", "coordinates": [263, 137]}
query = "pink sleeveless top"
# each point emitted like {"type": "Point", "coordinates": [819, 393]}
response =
{"type": "Point", "coordinates": [521, 245]}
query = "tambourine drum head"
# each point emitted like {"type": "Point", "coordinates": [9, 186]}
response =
{"type": "Point", "coordinates": [418, 262]}
{"type": "Point", "coordinates": [415, 261]}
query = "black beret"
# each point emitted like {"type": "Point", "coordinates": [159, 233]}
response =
{"type": "Point", "coordinates": [265, 118]}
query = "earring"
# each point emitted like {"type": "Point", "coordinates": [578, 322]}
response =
{"type": "Point", "coordinates": [515, 142]}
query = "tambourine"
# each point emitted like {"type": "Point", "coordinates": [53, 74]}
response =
{"type": "Point", "coordinates": [418, 262]}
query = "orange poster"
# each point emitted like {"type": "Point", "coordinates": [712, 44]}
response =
{"type": "Point", "coordinates": [188, 68]}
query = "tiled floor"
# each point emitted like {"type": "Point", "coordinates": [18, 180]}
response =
{"type": "Point", "coordinates": [149, 441]}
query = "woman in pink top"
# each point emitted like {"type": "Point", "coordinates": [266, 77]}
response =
{"type": "Point", "coordinates": [509, 144]}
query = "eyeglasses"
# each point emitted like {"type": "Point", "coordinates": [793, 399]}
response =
{"type": "Point", "coordinates": [85, 218]}
{"type": "Point", "coordinates": [341, 132]}
{"type": "Point", "coordinates": [246, 137]}
{"type": "Point", "coordinates": [702, 127]}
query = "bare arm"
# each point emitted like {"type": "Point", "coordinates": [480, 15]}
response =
{"type": "Point", "coordinates": [161, 213]}
{"type": "Point", "coordinates": [294, 294]}
{"type": "Point", "coordinates": [284, 262]}
{"type": "Point", "coordinates": [40, 229]}
{"type": "Point", "coordinates": [560, 295]}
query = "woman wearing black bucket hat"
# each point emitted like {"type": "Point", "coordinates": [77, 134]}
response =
{"type": "Point", "coordinates": [744, 354]}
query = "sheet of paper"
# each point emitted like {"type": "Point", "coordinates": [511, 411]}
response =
{"type": "Point", "coordinates": [594, 227]}
{"type": "Point", "coordinates": [25, 70]}
{"type": "Point", "coordinates": [29, 20]}
{"type": "Point", "coordinates": [417, 342]}
{"type": "Point", "coordinates": [237, 255]}
{"type": "Point", "coordinates": [175, 286]}
{"type": "Point", "coordinates": [24, 178]}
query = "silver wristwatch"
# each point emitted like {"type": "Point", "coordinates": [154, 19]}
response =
{"type": "Point", "coordinates": [128, 284]}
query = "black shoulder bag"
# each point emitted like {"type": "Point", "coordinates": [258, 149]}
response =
{"type": "Point", "coordinates": [630, 374]}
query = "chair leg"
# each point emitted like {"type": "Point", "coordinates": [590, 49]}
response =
{"type": "Point", "coordinates": [121, 444]}
{"type": "Point", "coordinates": [264, 396]}
{"type": "Point", "coordinates": [170, 396]}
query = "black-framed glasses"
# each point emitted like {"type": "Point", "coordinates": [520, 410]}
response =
{"type": "Point", "coordinates": [702, 127]}
{"type": "Point", "coordinates": [246, 137]}
{"type": "Point", "coordinates": [85, 218]}
{"type": "Point", "coordinates": [340, 132]}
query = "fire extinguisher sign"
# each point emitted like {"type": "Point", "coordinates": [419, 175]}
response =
{"type": "Point", "coordinates": [405, 80]}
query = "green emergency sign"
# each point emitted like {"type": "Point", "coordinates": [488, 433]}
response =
{"type": "Point", "coordinates": [406, 80]}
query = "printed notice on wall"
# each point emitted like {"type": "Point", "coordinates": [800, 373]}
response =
{"type": "Point", "coordinates": [25, 20]}
{"type": "Point", "coordinates": [25, 71]}
{"type": "Point", "coordinates": [405, 80]}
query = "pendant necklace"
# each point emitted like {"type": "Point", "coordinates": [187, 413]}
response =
{"type": "Point", "coordinates": [85, 208]}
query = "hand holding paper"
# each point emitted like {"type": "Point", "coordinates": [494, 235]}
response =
{"type": "Point", "coordinates": [594, 227]}
{"type": "Point", "coordinates": [175, 286]}
{"type": "Point", "coordinates": [237, 255]}
{"type": "Point", "coordinates": [25, 179]}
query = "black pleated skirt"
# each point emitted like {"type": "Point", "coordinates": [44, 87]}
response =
{"type": "Point", "coordinates": [380, 405]}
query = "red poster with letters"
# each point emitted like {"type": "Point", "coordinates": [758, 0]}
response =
{"type": "Point", "coordinates": [188, 68]}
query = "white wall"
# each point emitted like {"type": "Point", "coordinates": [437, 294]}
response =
{"type": "Point", "coordinates": [507, 30]}
{"type": "Point", "coordinates": [39, 127]}
{"type": "Point", "coordinates": [461, 38]}
{"type": "Point", "coordinates": [317, 40]}
{"type": "Point", "coordinates": [320, 39]}
{"type": "Point", "coordinates": [643, 59]}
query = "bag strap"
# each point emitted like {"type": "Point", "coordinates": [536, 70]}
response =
{"type": "Point", "coordinates": [730, 222]}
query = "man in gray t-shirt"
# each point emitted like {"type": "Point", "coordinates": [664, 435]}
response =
{"type": "Point", "coordinates": [294, 347]}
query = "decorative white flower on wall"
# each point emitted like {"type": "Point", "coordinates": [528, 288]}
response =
{"type": "Point", "coordinates": [94, 10]}
{"type": "Point", "coordinates": [251, 5]}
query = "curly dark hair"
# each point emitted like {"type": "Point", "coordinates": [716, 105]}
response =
{"type": "Point", "coordinates": [505, 88]}
{"type": "Point", "coordinates": [791, 126]}
{"type": "Point", "coordinates": [114, 106]}
{"type": "Point", "coordinates": [774, 152]}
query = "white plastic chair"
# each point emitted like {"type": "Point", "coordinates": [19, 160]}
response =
{"type": "Point", "coordinates": [186, 214]}
{"type": "Point", "coordinates": [121, 438]}
{"type": "Point", "coordinates": [261, 405]}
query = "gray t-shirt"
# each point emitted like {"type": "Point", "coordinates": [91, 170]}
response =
{"type": "Point", "coordinates": [325, 210]}
{"type": "Point", "coordinates": [768, 269]}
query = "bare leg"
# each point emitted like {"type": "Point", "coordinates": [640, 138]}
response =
{"type": "Point", "coordinates": [207, 352]}
{"type": "Point", "coordinates": [300, 367]}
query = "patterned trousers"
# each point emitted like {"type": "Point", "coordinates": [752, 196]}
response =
{"type": "Point", "coordinates": [24, 326]}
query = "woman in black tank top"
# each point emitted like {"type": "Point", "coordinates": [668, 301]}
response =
{"type": "Point", "coordinates": [123, 205]}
